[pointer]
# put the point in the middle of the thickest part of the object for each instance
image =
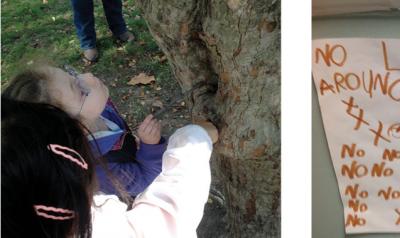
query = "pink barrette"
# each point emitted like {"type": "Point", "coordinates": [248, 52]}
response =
{"type": "Point", "coordinates": [64, 213]}
{"type": "Point", "coordinates": [57, 150]}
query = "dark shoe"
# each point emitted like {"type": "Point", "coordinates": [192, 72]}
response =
{"type": "Point", "coordinates": [126, 37]}
{"type": "Point", "coordinates": [90, 55]}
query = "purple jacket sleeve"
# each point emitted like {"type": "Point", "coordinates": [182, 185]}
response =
{"type": "Point", "coordinates": [137, 175]}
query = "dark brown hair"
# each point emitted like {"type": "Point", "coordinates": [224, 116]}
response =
{"type": "Point", "coordinates": [31, 174]}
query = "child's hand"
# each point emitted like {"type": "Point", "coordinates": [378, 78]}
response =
{"type": "Point", "coordinates": [210, 128]}
{"type": "Point", "coordinates": [149, 130]}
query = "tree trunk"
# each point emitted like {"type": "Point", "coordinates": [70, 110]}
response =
{"type": "Point", "coordinates": [233, 48]}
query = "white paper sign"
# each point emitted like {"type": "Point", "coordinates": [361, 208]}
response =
{"type": "Point", "coordinates": [358, 84]}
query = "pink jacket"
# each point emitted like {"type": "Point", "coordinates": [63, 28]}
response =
{"type": "Point", "coordinates": [172, 206]}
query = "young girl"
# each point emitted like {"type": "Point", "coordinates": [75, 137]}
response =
{"type": "Point", "coordinates": [86, 98]}
{"type": "Point", "coordinates": [47, 181]}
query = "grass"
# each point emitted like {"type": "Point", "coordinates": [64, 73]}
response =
{"type": "Point", "coordinates": [32, 30]}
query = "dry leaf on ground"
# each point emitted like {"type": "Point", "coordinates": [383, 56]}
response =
{"type": "Point", "coordinates": [157, 103]}
{"type": "Point", "coordinates": [142, 78]}
{"type": "Point", "coordinates": [132, 62]}
{"type": "Point", "coordinates": [160, 59]}
{"type": "Point", "coordinates": [125, 97]}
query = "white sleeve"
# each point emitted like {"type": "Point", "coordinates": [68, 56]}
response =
{"type": "Point", "coordinates": [172, 206]}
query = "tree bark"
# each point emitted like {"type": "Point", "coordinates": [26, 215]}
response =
{"type": "Point", "coordinates": [232, 47]}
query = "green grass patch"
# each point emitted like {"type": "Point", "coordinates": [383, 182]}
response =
{"type": "Point", "coordinates": [32, 30]}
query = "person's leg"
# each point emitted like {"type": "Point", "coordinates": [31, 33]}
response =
{"type": "Point", "coordinates": [113, 11]}
{"type": "Point", "coordinates": [84, 23]}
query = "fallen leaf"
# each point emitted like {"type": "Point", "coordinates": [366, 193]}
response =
{"type": "Point", "coordinates": [157, 103]}
{"type": "Point", "coordinates": [87, 63]}
{"type": "Point", "coordinates": [163, 59]}
{"type": "Point", "coordinates": [182, 103]}
{"type": "Point", "coordinates": [113, 85]}
{"type": "Point", "coordinates": [132, 63]}
{"type": "Point", "coordinates": [45, 1]}
{"type": "Point", "coordinates": [158, 88]}
{"type": "Point", "coordinates": [142, 78]}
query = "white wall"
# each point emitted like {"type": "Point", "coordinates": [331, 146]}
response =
{"type": "Point", "coordinates": [333, 7]}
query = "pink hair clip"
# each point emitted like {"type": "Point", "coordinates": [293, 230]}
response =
{"type": "Point", "coordinates": [64, 214]}
{"type": "Point", "coordinates": [57, 149]}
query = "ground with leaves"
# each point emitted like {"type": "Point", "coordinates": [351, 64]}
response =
{"type": "Point", "coordinates": [32, 30]}
{"type": "Point", "coordinates": [137, 74]}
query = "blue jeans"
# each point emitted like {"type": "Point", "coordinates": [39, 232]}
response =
{"type": "Point", "coordinates": [84, 20]}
